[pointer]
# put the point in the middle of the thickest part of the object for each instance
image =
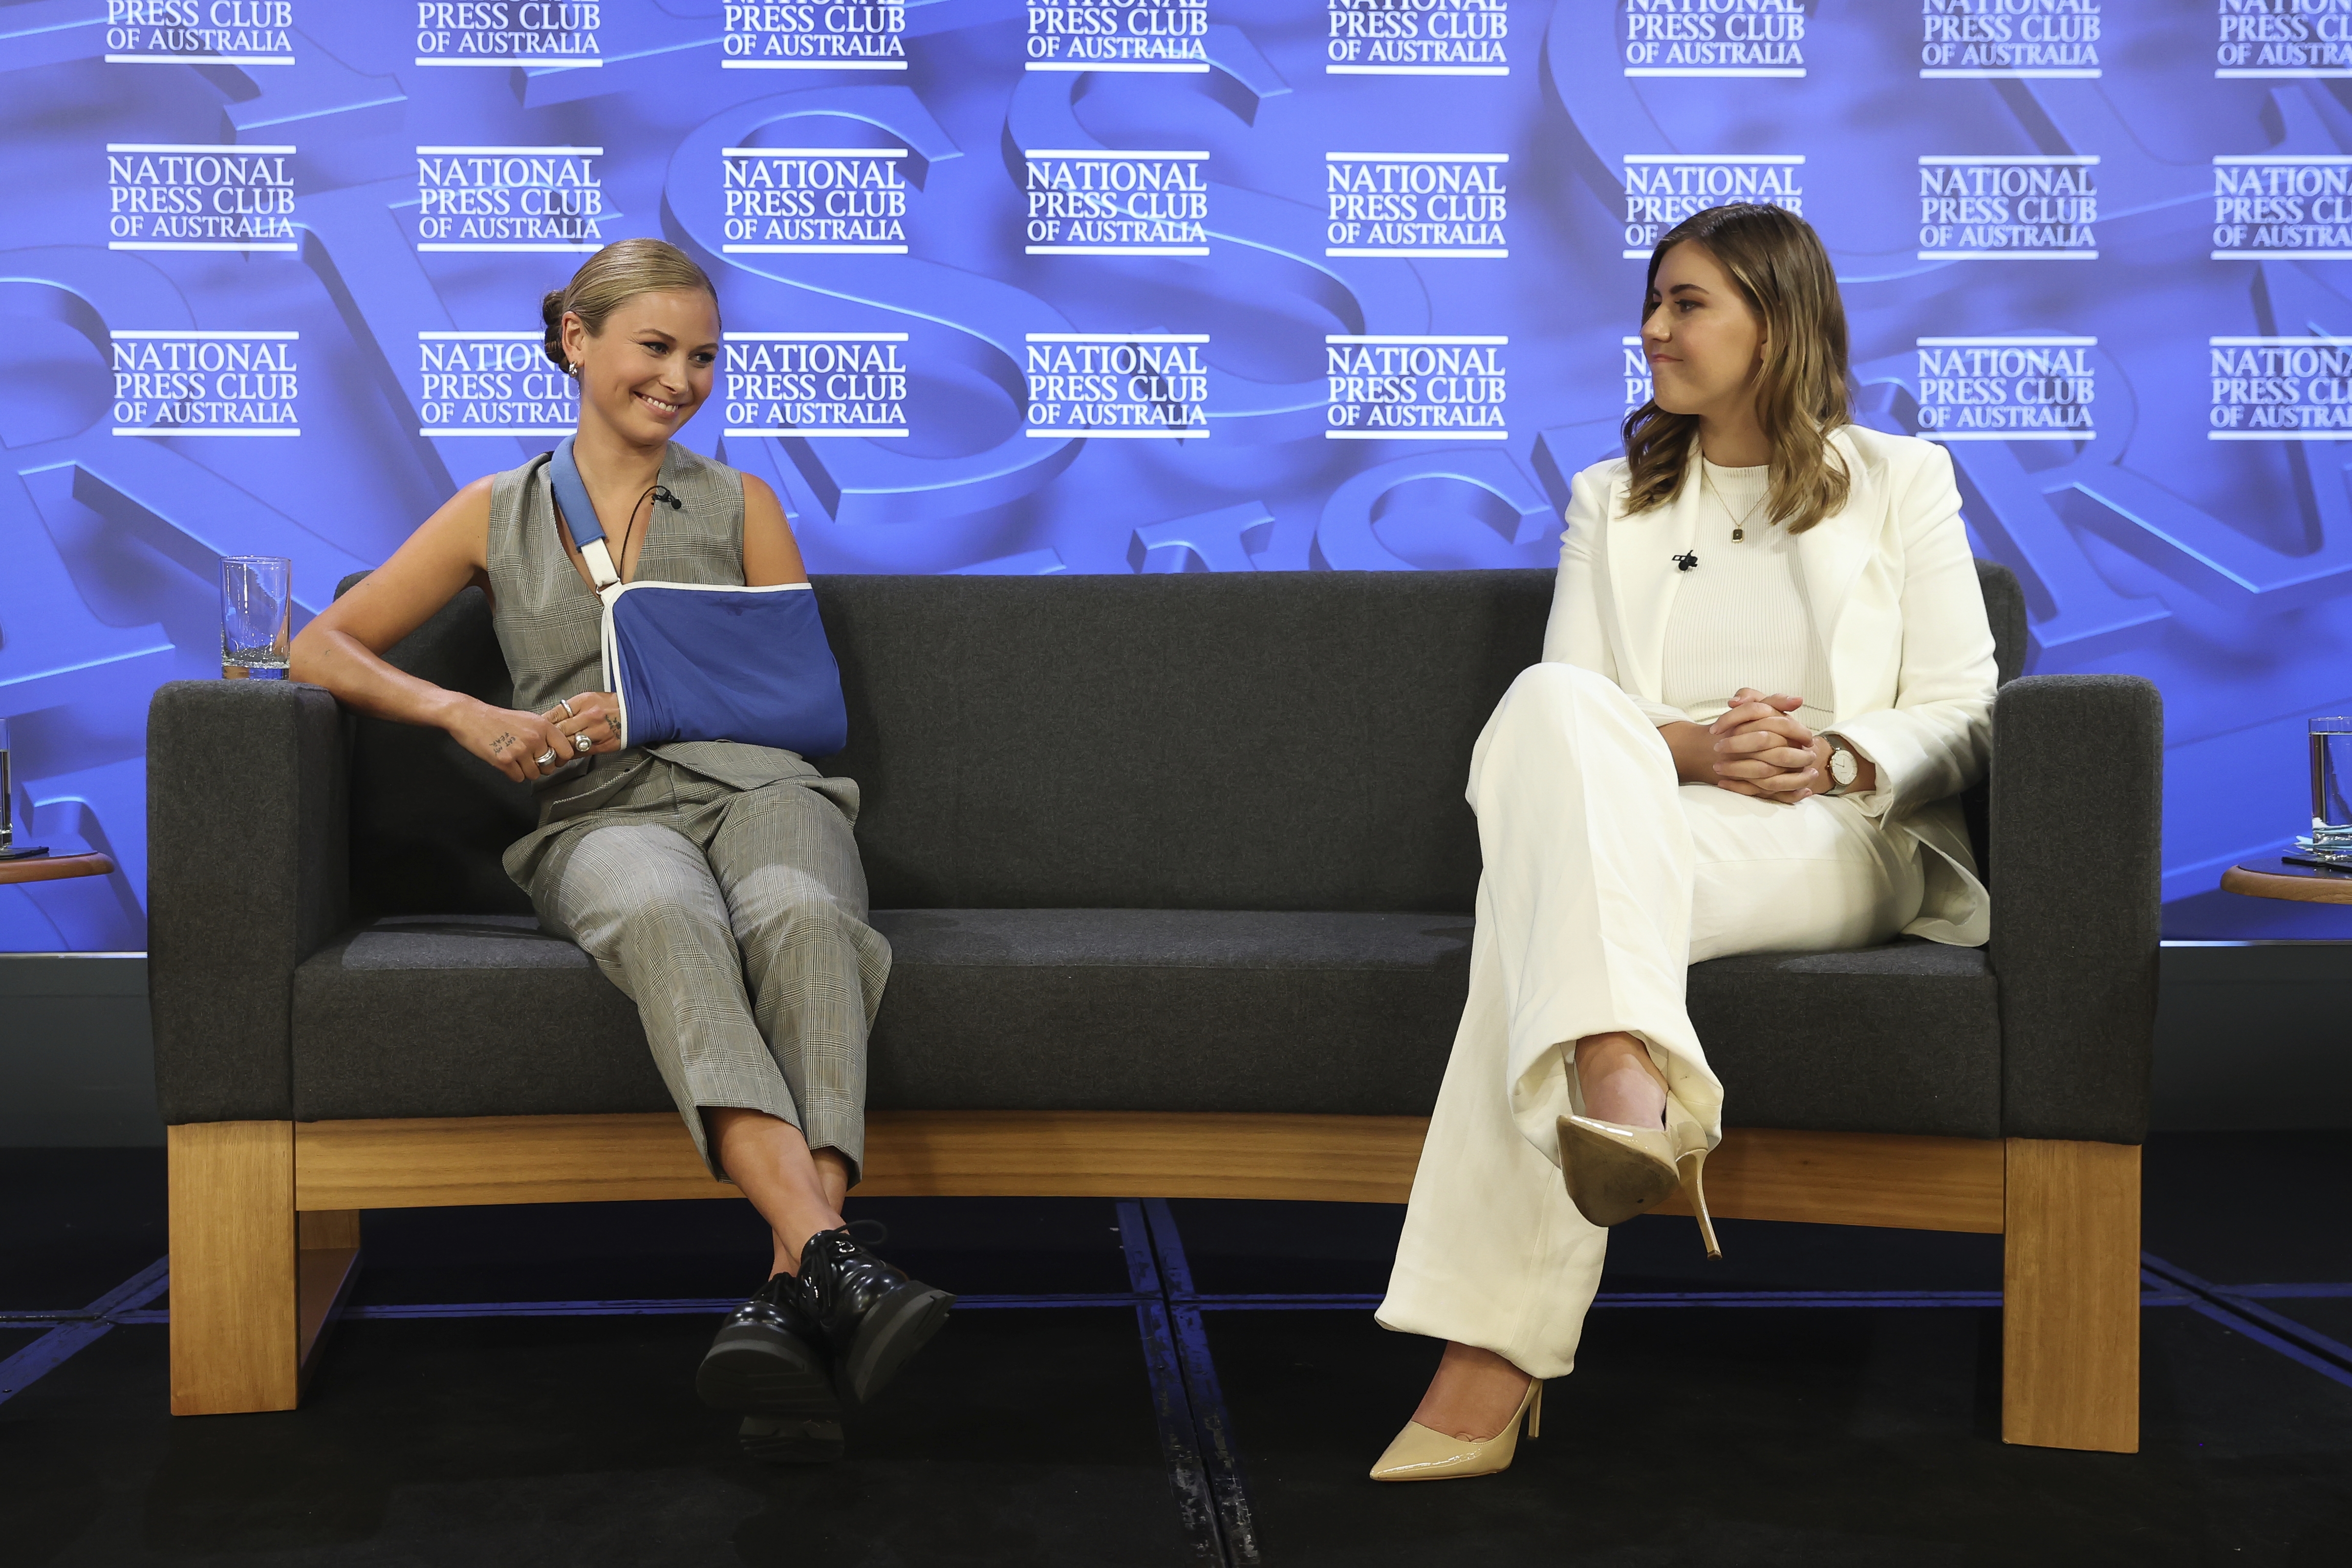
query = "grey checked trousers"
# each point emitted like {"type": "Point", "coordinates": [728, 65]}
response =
{"type": "Point", "coordinates": [735, 919]}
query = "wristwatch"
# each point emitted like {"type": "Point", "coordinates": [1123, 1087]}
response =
{"type": "Point", "coordinates": [1844, 767]}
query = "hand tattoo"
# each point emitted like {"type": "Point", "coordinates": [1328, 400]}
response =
{"type": "Point", "coordinates": [613, 725]}
{"type": "Point", "coordinates": [500, 744]}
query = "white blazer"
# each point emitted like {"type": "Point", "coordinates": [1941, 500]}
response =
{"type": "Point", "coordinates": [1893, 598]}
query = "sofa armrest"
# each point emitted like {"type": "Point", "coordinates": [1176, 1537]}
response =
{"type": "Point", "coordinates": [2077, 819]}
{"type": "Point", "coordinates": [248, 873]}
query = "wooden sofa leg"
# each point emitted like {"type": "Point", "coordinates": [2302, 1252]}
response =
{"type": "Point", "coordinates": [2070, 1296]}
{"type": "Point", "coordinates": [326, 1265]}
{"type": "Point", "coordinates": [235, 1330]}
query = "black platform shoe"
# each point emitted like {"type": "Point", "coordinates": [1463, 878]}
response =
{"type": "Point", "coordinates": [769, 1361]}
{"type": "Point", "coordinates": [874, 1317]}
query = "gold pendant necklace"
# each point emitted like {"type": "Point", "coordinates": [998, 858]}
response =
{"type": "Point", "coordinates": [1738, 525]}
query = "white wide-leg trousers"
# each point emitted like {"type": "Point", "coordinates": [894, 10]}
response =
{"type": "Point", "coordinates": [1604, 881]}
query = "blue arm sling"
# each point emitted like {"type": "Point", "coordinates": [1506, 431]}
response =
{"type": "Point", "coordinates": [692, 661]}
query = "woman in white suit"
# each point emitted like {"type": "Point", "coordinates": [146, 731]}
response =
{"type": "Point", "coordinates": [1766, 676]}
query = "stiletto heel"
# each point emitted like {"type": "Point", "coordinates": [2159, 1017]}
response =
{"type": "Point", "coordinates": [1690, 1166]}
{"type": "Point", "coordinates": [1424, 1454]}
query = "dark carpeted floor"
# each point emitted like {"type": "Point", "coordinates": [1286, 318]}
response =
{"type": "Point", "coordinates": [1035, 1434]}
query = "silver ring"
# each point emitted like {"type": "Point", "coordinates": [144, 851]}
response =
{"type": "Point", "coordinates": [567, 707]}
{"type": "Point", "coordinates": [583, 745]}
{"type": "Point", "coordinates": [546, 758]}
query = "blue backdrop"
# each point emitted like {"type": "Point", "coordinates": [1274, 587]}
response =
{"type": "Point", "coordinates": [1157, 286]}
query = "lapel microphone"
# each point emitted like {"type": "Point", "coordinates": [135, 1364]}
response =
{"type": "Point", "coordinates": [1684, 561]}
{"type": "Point", "coordinates": [661, 493]}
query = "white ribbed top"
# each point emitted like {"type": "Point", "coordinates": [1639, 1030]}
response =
{"type": "Point", "coordinates": [1739, 616]}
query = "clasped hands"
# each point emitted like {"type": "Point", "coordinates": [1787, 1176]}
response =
{"type": "Point", "coordinates": [1756, 747]}
{"type": "Point", "coordinates": [519, 743]}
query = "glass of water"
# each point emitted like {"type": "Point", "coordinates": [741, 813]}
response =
{"type": "Point", "coordinates": [257, 615]}
{"type": "Point", "coordinates": [9, 848]}
{"type": "Point", "coordinates": [2331, 781]}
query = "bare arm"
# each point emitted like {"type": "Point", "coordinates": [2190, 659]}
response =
{"type": "Point", "coordinates": [770, 554]}
{"type": "Point", "coordinates": [341, 649]}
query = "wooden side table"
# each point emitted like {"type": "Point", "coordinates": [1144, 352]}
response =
{"type": "Point", "coordinates": [53, 868]}
{"type": "Point", "coordinates": [2276, 878]}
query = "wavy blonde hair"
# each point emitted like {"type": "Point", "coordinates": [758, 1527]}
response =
{"type": "Point", "coordinates": [1777, 261]}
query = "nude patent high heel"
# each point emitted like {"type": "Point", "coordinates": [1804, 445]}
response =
{"type": "Point", "coordinates": [1424, 1454]}
{"type": "Point", "coordinates": [1614, 1172]}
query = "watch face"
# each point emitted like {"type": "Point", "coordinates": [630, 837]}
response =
{"type": "Point", "coordinates": [1842, 767]}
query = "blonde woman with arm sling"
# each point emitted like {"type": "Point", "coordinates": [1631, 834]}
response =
{"type": "Point", "coordinates": [716, 884]}
{"type": "Point", "coordinates": [1768, 673]}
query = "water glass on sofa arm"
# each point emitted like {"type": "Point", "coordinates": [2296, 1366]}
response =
{"type": "Point", "coordinates": [257, 616]}
{"type": "Point", "coordinates": [2329, 844]}
{"type": "Point", "coordinates": [9, 848]}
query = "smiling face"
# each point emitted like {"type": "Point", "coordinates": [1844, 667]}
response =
{"type": "Point", "coordinates": [1704, 343]}
{"type": "Point", "coordinates": [651, 367]}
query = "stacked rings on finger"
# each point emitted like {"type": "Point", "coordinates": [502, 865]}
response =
{"type": "Point", "coordinates": [546, 758]}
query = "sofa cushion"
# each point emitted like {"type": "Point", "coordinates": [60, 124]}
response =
{"type": "Point", "coordinates": [986, 1009]}
{"type": "Point", "coordinates": [1213, 740]}
{"type": "Point", "coordinates": [1900, 1039]}
{"type": "Point", "coordinates": [429, 820]}
{"type": "Point", "coordinates": [475, 1015]}
{"type": "Point", "coordinates": [1129, 1010]}
{"type": "Point", "coordinates": [1216, 741]}
{"type": "Point", "coordinates": [1148, 1010]}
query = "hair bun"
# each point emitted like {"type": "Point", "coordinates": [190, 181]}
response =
{"type": "Point", "coordinates": [619, 272]}
{"type": "Point", "coordinates": [550, 310]}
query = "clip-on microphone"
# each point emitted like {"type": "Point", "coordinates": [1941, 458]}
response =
{"type": "Point", "coordinates": [1686, 560]}
{"type": "Point", "coordinates": [661, 493]}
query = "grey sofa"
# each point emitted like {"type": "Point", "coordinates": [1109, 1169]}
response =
{"type": "Point", "coordinates": [1176, 873]}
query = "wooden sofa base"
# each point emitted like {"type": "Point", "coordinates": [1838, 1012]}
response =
{"type": "Point", "coordinates": [255, 1285]}
{"type": "Point", "coordinates": [265, 1223]}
